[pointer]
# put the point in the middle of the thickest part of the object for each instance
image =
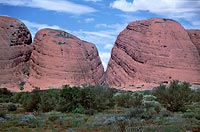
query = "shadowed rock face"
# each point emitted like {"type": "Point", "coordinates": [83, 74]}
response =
{"type": "Point", "coordinates": [60, 58]}
{"type": "Point", "coordinates": [153, 51]}
{"type": "Point", "coordinates": [195, 37]}
{"type": "Point", "coordinates": [15, 51]}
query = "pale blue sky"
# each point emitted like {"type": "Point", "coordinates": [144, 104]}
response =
{"type": "Point", "coordinates": [98, 21]}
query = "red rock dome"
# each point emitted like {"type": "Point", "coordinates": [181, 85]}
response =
{"type": "Point", "coordinates": [153, 51]}
{"type": "Point", "coordinates": [15, 51]}
{"type": "Point", "coordinates": [60, 58]}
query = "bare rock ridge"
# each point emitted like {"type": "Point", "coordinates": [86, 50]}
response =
{"type": "Point", "coordinates": [60, 58]}
{"type": "Point", "coordinates": [146, 53]}
{"type": "Point", "coordinates": [195, 37]}
{"type": "Point", "coordinates": [15, 51]}
{"type": "Point", "coordinates": [153, 51]}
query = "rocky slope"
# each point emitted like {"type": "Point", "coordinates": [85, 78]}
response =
{"type": "Point", "coordinates": [195, 37]}
{"type": "Point", "coordinates": [60, 58]}
{"type": "Point", "coordinates": [150, 52]}
{"type": "Point", "coordinates": [15, 51]}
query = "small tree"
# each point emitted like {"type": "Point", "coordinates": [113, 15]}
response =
{"type": "Point", "coordinates": [49, 100]}
{"type": "Point", "coordinates": [12, 107]}
{"type": "Point", "coordinates": [21, 86]}
{"type": "Point", "coordinates": [32, 101]}
{"type": "Point", "coordinates": [174, 97]}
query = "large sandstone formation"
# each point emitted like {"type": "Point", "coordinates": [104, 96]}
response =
{"type": "Point", "coordinates": [153, 51]}
{"type": "Point", "coordinates": [60, 58]}
{"type": "Point", "coordinates": [195, 37]}
{"type": "Point", "coordinates": [15, 52]}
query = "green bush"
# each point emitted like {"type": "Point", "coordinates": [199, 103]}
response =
{"type": "Point", "coordinates": [103, 97]}
{"type": "Point", "coordinates": [20, 97]}
{"type": "Point", "coordinates": [135, 112]}
{"type": "Point", "coordinates": [196, 95]}
{"type": "Point", "coordinates": [77, 99]}
{"type": "Point", "coordinates": [144, 106]}
{"type": "Point", "coordinates": [5, 95]}
{"type": "Point", "coordinates": [137, 98]}
{"type": "Point", "coordinates": [49, 100]}
{"type": "Point", "coordinates": [149, 98]}
{"type": "Point", "coordinates": [80, 109]}
{"type": "Point", "coordinates": [174, 97]}
{"type": "Point", "coordinates": [54, 118]}
{"type": "Point", "coordinates": [32, 100]}
{"type": "Point", "coordinates": [123, 99]}
{"type": "Point", "coordinates": [128, 99]}
{"type": "Point", "coordinates": [12, 107]}
{"type": "Point", "coordinates": [189, 115]}
{"type": "Point", "coordinates": [21, 85]}
{"type": "Point", "coordinates": [72, 98]}
{"type": "Point", "coordinates": [2, 113]}
{"type": "Point", "coordinates": [165, 113]}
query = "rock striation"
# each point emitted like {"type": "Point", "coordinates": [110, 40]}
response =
{"type": "Point", "coordinates": [15, 51]}
{"type": "Point", "coordinates": [59, 58]}
{"type": "Point", "coordinates": [195, 37]}
{"type": "Point", "coordinates": [153, 51]}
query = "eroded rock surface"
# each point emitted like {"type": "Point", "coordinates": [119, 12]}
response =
{"type": "Point", "coordinates": [60, 58]}
{"type": "Point", "coordinates": [150, 52]}
{"type": "Point", "coordinates": [15, 51]}
{"type": "Point", "coordinates": [195, 37]}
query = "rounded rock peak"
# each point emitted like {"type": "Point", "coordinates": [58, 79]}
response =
{"type": "Point", "coordinates": [153, 21]}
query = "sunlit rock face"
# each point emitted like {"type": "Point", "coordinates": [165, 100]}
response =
{"type": "Point", "coordinates": [195, 38]}
{"type": "Point", "coordinates": [153, 51]}
{"type": "Point", "coordinates": [15, 51]}
{"type": "Point", "coordinates": [60, 58]}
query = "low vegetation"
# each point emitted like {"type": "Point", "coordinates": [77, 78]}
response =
{"type": "Point", "coordinates": [174, 107]}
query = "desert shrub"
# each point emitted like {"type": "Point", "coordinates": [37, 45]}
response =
{"type": "Point", "coordinates": [71, 99]}
{"type": "Point", "coordinates": [123, 99]}
{"type": "Point", "coordinates": [151, 108]}
{"type": "Point", "coordinates": [53, 118]}
{"type": "Point", "coordinates": [80, 109]}
{"type": "Point", "coordinates": [48, 100]}
{"type": "Point", "coordinates": [188, 115]}
{"type": "Point", "coordinates": [135, 112]}
{"type": "Point", "coordinates": [128, 99]}
{"type": "Point", "coordinates": [149, 98]}
{"type": "Point", "coordinates": [21, 85]}
{"type": "Point", "coordinates": [197, 116]}
{"type": "Point", "coordinates": [165, 113]}
{"type": "Point", "coordinates": [82, 99]}
{"type": "Point", "coordinates": [196, 95]}
{"type": "Point", "coordinates": [5, 95]}
{"type": "Point", "coordinates": [144, 106]}
{"type": "Point", "coordinates": [32, 100]}
{"type": "Point", "coordinates": [137, 98]}
{"type": "Point", "coordinates": [2, 113]}
{"type": "Point", "coordinates": [86, 98]}
{"type": "Point", "coordinates": [149, 102]}
{"type": "Point", "coordinates": [174, 97]}
{"type": "Point", "coordinates": [194, 107]}
{"type": "Point", "coordinates": [37, 100]}
{"type": "Point", "coordinates": [12, 107]}
{"type": "Point", "coordinates": [5, 91]}
{"type": "Point", "coordinates": [20, 97]}
{"type": "Point", "coordinates": [103, 97]}
{"type": "Point", "coordinates": [67, 98]}
{"type": "Point", "coordinates": [142, 113]}
{"type": "Point", "coordinates": [147, 92]}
